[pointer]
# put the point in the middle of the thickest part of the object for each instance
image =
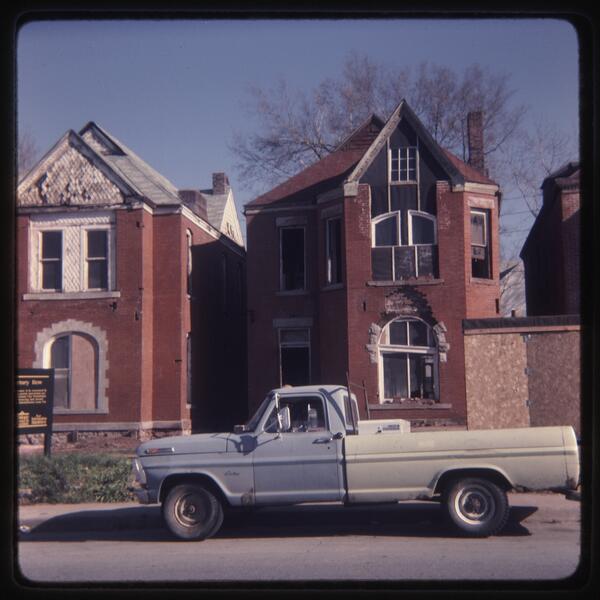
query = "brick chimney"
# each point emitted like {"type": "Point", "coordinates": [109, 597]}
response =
{"type": "Point", "coordinates": [220, 183]}
{"type": "Point", "coordinates": [475, 138]}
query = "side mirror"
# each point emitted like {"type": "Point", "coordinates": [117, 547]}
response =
{"type": "Point", "coordinates": [338, 436]}
{"type": "Point", "coordinates": [283, 419]}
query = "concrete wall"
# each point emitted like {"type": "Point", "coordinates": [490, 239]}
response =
{"type": "Point", "coordinates": [523, 376]}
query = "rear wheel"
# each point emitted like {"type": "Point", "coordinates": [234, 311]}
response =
{"type": "Point", "coordinates": [477, 507]}
{"type": "Point", "coordinates": [192, 512]}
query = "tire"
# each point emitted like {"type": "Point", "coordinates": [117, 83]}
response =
{"type": "Point", "coordinates": [192, 512]}
{"type": "Point", "coordinates": [476, 507]}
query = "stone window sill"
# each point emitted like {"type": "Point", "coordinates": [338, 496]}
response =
{"type": "Point", "coordinates": [412, 406]}
{"type": "Point", "coordinates": [292, 293]}
{"type": "Point", "coordinates": [414, 281]}
{"type": "Point", "coordinates": [69, 411]}
{"type": "Point", "coordinates": [332, 287]}
{"type": "Point", "coordinates": [96, 295]}
{"type": "Point", "coordinates": [482, 281]}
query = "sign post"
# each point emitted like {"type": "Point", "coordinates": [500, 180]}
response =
{"type": "Point", "coordinates": [35, 400]}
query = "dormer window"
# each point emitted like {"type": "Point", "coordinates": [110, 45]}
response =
{"type": "Point", "coordinates": [403, 164]}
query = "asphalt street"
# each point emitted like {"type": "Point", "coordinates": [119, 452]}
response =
{"type": "Point", "coordinates": [404, 542]}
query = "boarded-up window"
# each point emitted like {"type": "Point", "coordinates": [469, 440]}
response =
{"type": "Point", "coordinates": [74, 358]}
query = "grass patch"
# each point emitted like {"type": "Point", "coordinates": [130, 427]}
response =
{"type": "Point", "coordinates": [74, 478]}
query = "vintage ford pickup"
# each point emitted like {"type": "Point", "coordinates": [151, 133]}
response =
{"type": "Point", "coordinates": [307, 444]}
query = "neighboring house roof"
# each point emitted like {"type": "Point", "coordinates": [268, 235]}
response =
{"type": "Point", "coordinates": [565, 177]}
{"type": "Point", "coordinates": [327, 172]}
{"type": "Point", "coordinates": [349, 161]}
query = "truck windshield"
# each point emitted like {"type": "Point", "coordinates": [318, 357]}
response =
{"type": "Point", "coordinates": [253, 422]}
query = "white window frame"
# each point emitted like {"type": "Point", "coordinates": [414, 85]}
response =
{"type": "Point", "coordinates": [328, 265]}
{"type": "Point", "coordinates": [383, 217]}
{"type": "Point", "coordinates": [85, 258]}
{"type": "Point", "coordinates": [419, 213]}
{"type": "Point", "coordinates": [387, 348]}
{"type": "Point", "coordinates": [282, 289]}
{"type": "Point", "coordinates": [486, 215]}
{"type": "Point", "coordinates": [40, 260]}
{"type": "Point", "coordinates": [306, 344]}
{"type": "Point", "coordinates": [396, 152]}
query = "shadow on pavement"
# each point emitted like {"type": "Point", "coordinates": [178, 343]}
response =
{"type": "Point", "coordinates": [144, 523]}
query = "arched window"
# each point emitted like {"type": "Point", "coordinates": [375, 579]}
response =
{"type": "Point", "coordinates": [408, 361]}
{"type": "Point", "coordinates": [74, 358]}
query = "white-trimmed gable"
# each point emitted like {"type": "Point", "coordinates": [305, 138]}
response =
{"type": "Point", "coordinates": [70, 175]}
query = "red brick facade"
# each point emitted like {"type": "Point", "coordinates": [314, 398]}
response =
{"type": "Point", "coordinates": [147, 378]}
{"type": "Point", "coordinates": [346, 320]}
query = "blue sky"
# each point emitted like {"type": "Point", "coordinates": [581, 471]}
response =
{"type": "Point", "coordinates": [173, 91]}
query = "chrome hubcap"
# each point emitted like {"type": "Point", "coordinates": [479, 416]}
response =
{"type": "Point", "coordinates": [190, 510]}
{"type": "Point", "coordinates": [474, 504]}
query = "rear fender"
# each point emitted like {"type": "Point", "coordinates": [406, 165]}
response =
{"type": "Point", "coordinates": [489, 472]}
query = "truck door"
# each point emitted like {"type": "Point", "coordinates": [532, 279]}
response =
{"type": "Point", "coordinates": [302, 463]}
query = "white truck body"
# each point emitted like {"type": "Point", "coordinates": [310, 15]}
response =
{"type": "Point", "coordinates": [332, 456]}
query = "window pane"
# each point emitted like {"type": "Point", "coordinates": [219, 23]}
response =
{"type": "Point", "coordinates": [386, 232]}
{"type": "Point", "coordinates": [381, 264]}
{"type": "Point", "coordinates": [292, 259]}
{"type": "Point", "coordinates": [478, 229]}
{"type": "Point", "coordinates": [97, 274]}
{"type": "Point", "coordinates": [416, 373]}
{"type": "Point", "coordinates": [59, 353]}
{"type": "Point", "coordinates": [398, 335]}
{"type": "Point", "coordinates": [418, 333]}
{"type": "Point", "coordinates": [97, 244]}
{"type": "Point", "coordinates": [52, 244]}
{"type": "Point", "coordinates": [423, 230]}
{"type": "Point", "coordinates": [394, 375]}
{"type": "Point", "coordinates": [52, 275]}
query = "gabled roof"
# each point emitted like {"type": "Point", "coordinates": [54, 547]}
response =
{"type": "Point", "coordinates": [146, 181]}
{"type": "Point", "coordinates": [350, 160]}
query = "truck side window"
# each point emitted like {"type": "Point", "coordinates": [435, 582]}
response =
{"type": "Point", "coordinates": [306, 414]}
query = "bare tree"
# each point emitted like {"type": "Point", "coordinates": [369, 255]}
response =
{"type": "Point", "coordinates": [27, 153]}
{"type": "Point", "coordinates": [295, 128]}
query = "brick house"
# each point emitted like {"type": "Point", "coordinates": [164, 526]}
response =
{"type": "Point", "coordinates": [132, 290]}
{"type": "Point", "coordinates": [551, 253]}
{"type": "Point", "coordinates": [366, 263]}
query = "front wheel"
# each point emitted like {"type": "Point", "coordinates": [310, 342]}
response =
{"type": "Point", "coordinates": [192, 512]}
{"type": "Point", "coordinates": [477, 507]}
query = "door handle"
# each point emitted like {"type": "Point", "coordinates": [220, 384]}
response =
{"type": "Point", "coordinates": [323, 440]}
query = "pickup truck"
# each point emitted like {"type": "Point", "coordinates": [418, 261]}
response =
{"type": "Point", "coordinates": [307, 444]}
